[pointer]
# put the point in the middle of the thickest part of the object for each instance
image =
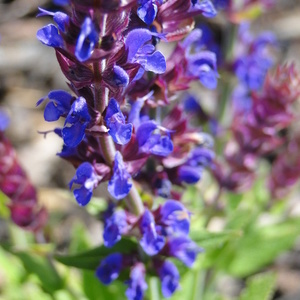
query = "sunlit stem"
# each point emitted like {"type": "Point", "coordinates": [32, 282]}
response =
{"type": "Point", "coordinates": [101, 98]}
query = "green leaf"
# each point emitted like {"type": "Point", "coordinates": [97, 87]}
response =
{"type": "Point", "coordinates": [95, 290]}
{"type": "Point", "coordinates": [4, 210]}
{"type": "Point", "coordinates": [43, 268]}
{"type": "Point", "coordinates": [191, 285]}
{"type": "Point", "coordinates": [212, 240]}
{"type": "Point", "coordinates": [11, 268]}
{"type": "Point", "coordinates": [261, 245]}
{"type": "Point", "coordinates": [241, 219]}
{"type": "Point", "coordinates": [260, 287]}
{"type": "Point", "coordinates": [233, 200]}
{"type": "Point", "coordinates": [89, 260]}
{"type": "Point", "coordinates": [79, 238]}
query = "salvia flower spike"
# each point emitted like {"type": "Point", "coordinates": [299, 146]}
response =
{"type": "Point", "coordinates": [107, 51]}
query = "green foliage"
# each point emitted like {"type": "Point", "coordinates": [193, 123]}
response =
{"type": "Point", "coordinates": [95, 290]}
{"type": "Point", "coordinates": [261, 245]}
{"type": "Point", "coordinates": [4, 211]}
{"type": "Point", "coordinates": [89, 260]}
{"type": "Point", "coordinates": [41, 266]}
{"type": "Point", "coordinates": [260, 287]}
{"type": "Point", "coordinates": [214, 240]}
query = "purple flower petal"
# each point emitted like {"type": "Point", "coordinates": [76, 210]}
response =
{"type": "Point", "coordinates": [208, 78]}
{"type": "Point", "coordinates": [110, 268]}
{"type": "Point", "coordinates": [156, 63]}
{"type": "Point", "coordinates": [194, 36]}
{"type": "Point", "coordinates": [184, 249]}
{"type": "Point", "coordinates": [61, 97]}
{"type": "Point", "coordinates": [119, 185]}
{"type": "Point", "coordinates": [160, 145]}
{"type": "Point", "coordinates": [169, 277]}
{"type": "Point", "coordinates": [201, 156]}
{"type": "Point", "coordinates": [115, 121]}
{"type": "Point", "coordinates": [114, 227]}
{"type": "Point", "coordinates": [120, 77]}
{"type": "Point", "coordinates": [207, 8]}
{"type": "Point", "coordinates": [144, 132]}
{"type": "Point", "coordinates": [204, 66]}
{"type": "Point", "coordinates": [87, 40]}
{"type": "Point", "coordinates": [73, 135]}
{"type": "Point", "coordinates": [51, 112]}
{"type": "Point", "coordinates": [61, 2]}
{"type": "Point", "coordinates": [4, 120]}
{"type": "Point", "coordinates": [135, 40]}
{"type": "Point", "coordinates": [76, 122]}
{"type": "Point", "coordinates": [189, 174]}
{"type": "Point", "coordinates": [174, 215]}
{"type": "Point", "coordinates": [136, 284]}
{"type": "Point", "coordinates": [147, 11]}
{"type": "Point", "coordinates": [49, 36]}
{"type": "Point", "coordinates": [87, 179]}
{"type": "Point", "coordinates": [59, 105]}
{"type": "Point", "coordinates": [151, 241]}
{"type": "Point", "coordinates": [59, 17]}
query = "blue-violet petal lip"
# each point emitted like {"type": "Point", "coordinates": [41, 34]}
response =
{"type": "Point", "coordinates": [49, 36]}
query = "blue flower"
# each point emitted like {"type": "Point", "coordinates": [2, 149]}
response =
{"type": "Point", "coordinates": [4, 120]}
{"type": "Point", "coordinates": [148, 141]}
{"type": "Point", "coordinates": [119, 185]}
{"type": "Point", "coordinates": [114, 227]}
{"type": "Point", "coordinates": [175, 217]}
{"type": "Point", "coordinates": [115, 121]}
{"type": "Point", "coordinates": [154, 143]}
{"type": "Point", "coordinates": [76, 122]}
{"type": "Point", "coordinates": [87, 40]}
{"type": "Point", "coordinates": [222, 4]}
{"type": "Point", "coordinates": [58, 106]}
{"type": "Point", "coordinates": [253, 64]}
{"type": "Point", "coordinates": [49, 36]}
{"type": "Point", "coordinates": [147, 10]}
{"type": "Point", "coordinates": [144, 54]}
{"type": "Point", "coordinates": [60, 18]}
{"type": "Point", "coordinates": [169, 277]}
{"type": "Point", "coordinates": [189, 174]}
{"type": "Point", "coordinates": [61, 2]}
{"type": "Point", "coordinates": [206, 7]}
{"type": "Point", "coordinates": [201, 156]}
{"type": "Point", "coordinates": [151, 241]}
{"type": "Point", "coordinates": [191, 171]}
{"type": "Point", "coordinates": [204, 66]}
{"type": "Point", "coordinates": [191, 105]}
{"type": "Point", "coordinates": [184, 249]}
{"type": "Point", "coordinates": [252, 69]}
{"type": "Point", "coordinates": [88, 180]}
{"type": "Point", "coordinates": [110, 268]}
{"type": "Point", "coordinates": [136, 284]}
{"type": "Point", "coordinates": [120, 76]}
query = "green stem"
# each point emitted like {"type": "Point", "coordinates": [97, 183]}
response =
{"type": "Point", "coordinates": [154, 288]}
{"type": "Point", "coordinates": [101, 99]}
{"type": "Point", "coordinates": [134, 201]}
{"type": "Point", "coordinates": [108, 149]}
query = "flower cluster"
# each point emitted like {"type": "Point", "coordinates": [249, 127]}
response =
{"type": "Point", "coordinates": [118, 129]}
{"type": "Point", "coordinates": [265, 132]}
{"type": "Point", "coordinates": [16, 186]}
{"type": "Point", "coordinates": [253, 59]}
